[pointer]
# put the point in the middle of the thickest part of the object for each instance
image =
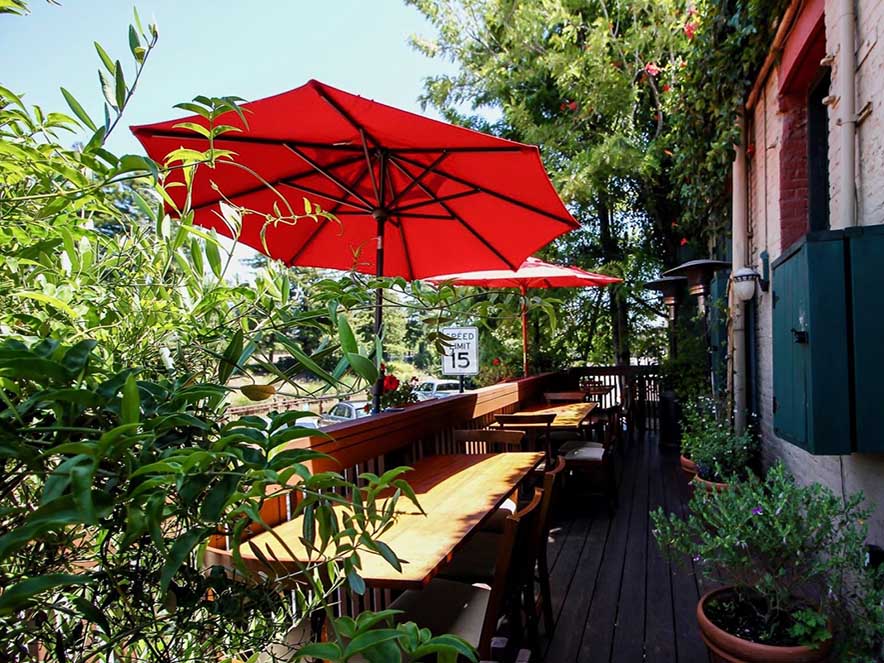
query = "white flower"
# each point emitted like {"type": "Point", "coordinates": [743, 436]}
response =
{"type": "Point", "coordinates": [66, 266]}
{"type": "Point", "coordinates": [166, 358]}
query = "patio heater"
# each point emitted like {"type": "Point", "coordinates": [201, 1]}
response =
{"type": "Point", "coordinates": [699, 275]}
{"type": "Point", "coordinates": [671, 287]}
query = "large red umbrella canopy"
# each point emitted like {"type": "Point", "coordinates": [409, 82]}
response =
{"type": "Point", "coordinates": [411, 196]}
{"type": "Point", "coordinates": [443, 197]}
{"type": "Point", "coordinates": [534, 273]}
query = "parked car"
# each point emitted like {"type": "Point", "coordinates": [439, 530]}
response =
{"type": "Point", "coordinates": [345, 411]}
{"type": "Point", "coordinates": [430, 389]}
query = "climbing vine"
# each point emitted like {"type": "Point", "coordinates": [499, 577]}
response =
{"type": "Point", "coordinates": [729, 42]}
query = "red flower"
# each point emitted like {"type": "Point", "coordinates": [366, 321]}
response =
{"type": "Point", "coordinates": [690, 29]}
{"type": "Point", "coordinates": [572, 105]}
{"type": "Point", "coordinates": [666, 87]}
{"type": "Point", "coordinates": [684, 241]}
{"type": "Point", "coordinates": [495, 361]}
{"type": "Point", "coordinates": [652, 69]}
{"type": "Point", "coordinates": [391, 383]}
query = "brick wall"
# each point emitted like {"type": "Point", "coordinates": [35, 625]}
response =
{"type": "Point", "coordinates": [793, 170]}
{"type": "Point", "coordinates": [769, 131]}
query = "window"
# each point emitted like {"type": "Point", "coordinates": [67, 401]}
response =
{"type": "Point", "coordinates": [818, 155]}
{"type": "Point", "coordinates": [341, 410]}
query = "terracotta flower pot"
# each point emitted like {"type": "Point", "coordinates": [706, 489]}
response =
{"type": "Point", "coordinates": [731, 649]}
{"type": "Point", "coordinates": [697, 483]}
{"type": "Point", "coordinates": [688, 467]}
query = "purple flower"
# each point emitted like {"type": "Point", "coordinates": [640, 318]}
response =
{"type": "Point", "coordinates": [757, 511]}
{"type": "Point", "coordinates": [697, 558]}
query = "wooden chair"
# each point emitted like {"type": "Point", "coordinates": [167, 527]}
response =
{"type": "Point", "coordinates": [475, 562]}
{"type": "Point", "coordinates": [598, 457]}
{"type": "Point", "coordinates": [552, 397]}
{"type": "Point", "coordinates": [529, 422]}
{"type": "Point", "coordinates": [470, 611]}
{"type": "Point", "coordinates": [551, 479]}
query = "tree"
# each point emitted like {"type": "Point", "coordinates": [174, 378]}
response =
{"type": "Point", "coordinates": [586, 81]}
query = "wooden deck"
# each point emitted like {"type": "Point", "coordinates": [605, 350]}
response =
{"type": "Point", "coordinates": [615, 598]}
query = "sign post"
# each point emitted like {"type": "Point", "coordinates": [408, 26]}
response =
{"type": "Point", "coordinates": [462, 355]}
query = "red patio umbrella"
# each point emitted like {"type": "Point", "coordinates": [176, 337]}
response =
{"type": "Point", "coordinates": [534, 273]}
{"type": "Point", "coordinates": [426, 195]}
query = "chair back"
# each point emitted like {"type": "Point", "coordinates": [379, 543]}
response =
{"type": "Point", "coordinates": [522, 418]}
{"type": "Point", "coordinates": [563, 397]}
{"type": "Point", "coordinates": [550, 479]}
{"type": "Point", "coordinates": [488, 440]}
{"type": "Point", "coordinates": [518, 531]}
{"type": "Point", "coordinates": [613, 427]}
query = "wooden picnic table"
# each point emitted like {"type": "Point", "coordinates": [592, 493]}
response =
{"type": "Point", "coordinates": [458, 492]}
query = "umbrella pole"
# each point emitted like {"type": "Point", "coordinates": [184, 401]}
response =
{"type": "Point", "coordinates": [524, 331]}
{"type": "Point", "coordinates": [378, 388]}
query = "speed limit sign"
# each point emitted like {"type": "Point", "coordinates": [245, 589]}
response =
{"type": "Point", "coordinates": [462, 354]}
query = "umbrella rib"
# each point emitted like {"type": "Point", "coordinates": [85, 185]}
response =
{"type": "Point", "coordinates": [254, 140]}
{"type": "Point", "coordinates": [328, 175]}
{"type": "Point", "coordinates": [316, 192]}
{"type": "Point", "coordinates": [405, 251]}
{"type": "Point", "coordinates": [416, 180]}
{"type": "Point", "coordinates": [281, 180]}
{"type": "Point", "coordinates": [437, 200]}
{"type": "Point", "coordinates": [343, 113]}
{"type": "Point", "coordinates": [322, 223]}
{"type": "Point", "coordinates": [374, 181]}
{"type": "Point", "coordinates": [537, 210]}
{"type": "Point", "coordinates": [460, 220]}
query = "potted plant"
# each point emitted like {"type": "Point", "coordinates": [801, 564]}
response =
{"type": "Point", "coordinates": [712, 454]}
{"type": "Point", "coordinates": [397, 393]}
{"type": "Point", "coordinates": [791, 570]}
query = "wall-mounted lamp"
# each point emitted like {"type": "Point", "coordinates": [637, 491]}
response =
{"type": "Point", "coordinates": [744, 280]}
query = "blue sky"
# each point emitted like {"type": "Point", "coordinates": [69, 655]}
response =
{"type": "Point", "coordinates": [250, 48]}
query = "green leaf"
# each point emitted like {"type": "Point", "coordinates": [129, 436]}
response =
{"type": "Point", "coordinates": [365, 368]}
{"type": "Point", "coordinates": [119, 86]}
{"type": "Point", "coordinates": [357, 584]}
{"type": "Point", "coordinates": [214, 256]}
{"type": "Point", "coordinates": [325, 651]}
{"type": "Point", "coordinates": [130, 405]}
{"type": "Point", "coordinates": [17, 596]}
{"type": "Point", "coordinates": [134, 43]}
{"type": "Point", "coordinates": [231, 355]}
{"type": "Point", "coordinates": [78, 110]}
{"type": "Point", "coordinates": [370, 639]}
{"type": "Point", "coordinates": [48, 299]}
{"type": "Point", "coordinates": [346, 336]}
{"type": "Point", "coordinates": [105, 58]}
{"type": "Point", "coordinates": [181, 550]}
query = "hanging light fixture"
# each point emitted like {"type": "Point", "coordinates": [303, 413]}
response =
{"type": "Point", "coordinates": [744, 280]}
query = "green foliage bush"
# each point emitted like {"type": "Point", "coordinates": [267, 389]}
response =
{"type": "Point", "coordinates": [707, 439]}
{"type": "Point", "coordinates": [122, 329]}
{"type": "Point", "coordinates": [799, 549]}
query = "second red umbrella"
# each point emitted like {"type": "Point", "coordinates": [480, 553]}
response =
{"type": "Point", "coordinates": [534, 273]}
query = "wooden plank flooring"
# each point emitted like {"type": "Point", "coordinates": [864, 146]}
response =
{"type": "Point", "coordinates": [615, 598]}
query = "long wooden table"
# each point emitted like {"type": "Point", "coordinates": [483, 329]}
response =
{"type": "Point", "coordinates": [457, 492]}
{"type": "Point", "coordinates": [568, 417]}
